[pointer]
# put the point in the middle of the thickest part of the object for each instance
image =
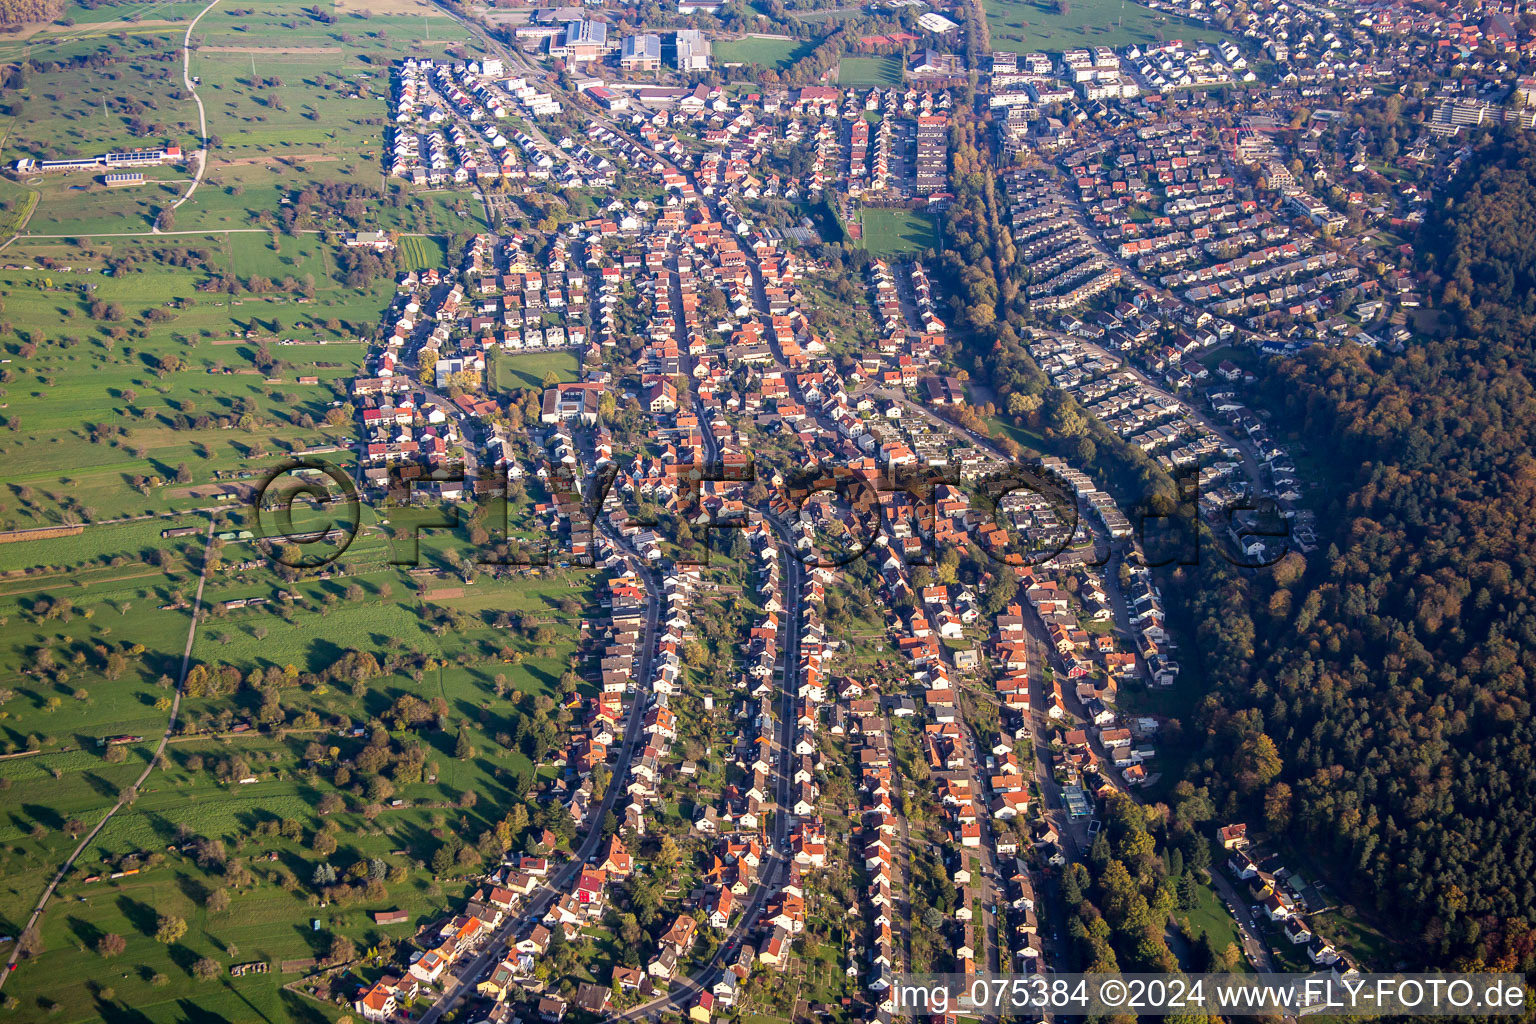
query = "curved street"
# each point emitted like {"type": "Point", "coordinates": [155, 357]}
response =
{"type": "Point", "coordinates": [199, 158]}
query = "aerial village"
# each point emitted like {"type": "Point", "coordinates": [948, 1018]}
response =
{"type": "Point", "coordinates": [696, 350]}
{"type": "Point", "coordinates": [885, 798]}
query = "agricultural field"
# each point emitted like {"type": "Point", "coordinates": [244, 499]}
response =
{"type": "Point", "coordinates": [888, 232]}
{"type": "Point", "coordinates": [419, 252]}
{"type": "Point", "coordinates": [112, 38]}
{"type": "Point", "coordinates": [166, 369]}
{"type": "Point", "coordinates": [280, 118]}
{"type": "Point", "coordinates": [1023, 25]}
{"type": "Point", "coordinates": [202, 838]}
{"type": "Point", "coordinates": [125, 12]}
{"type": "Point", "coordinates": [767, 51]}
{"type": "Point", "coordinates": [882, 71]}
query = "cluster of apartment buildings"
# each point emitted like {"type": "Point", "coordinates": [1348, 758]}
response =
{"type": "Point", "coordinates": [1067, 265]}
{"type": "Point", "coordinates": [642, 52]}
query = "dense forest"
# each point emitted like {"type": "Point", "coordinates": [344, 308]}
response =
{"type": "Point", "coordinates": [19, 12]}
{"type": "Point", "coordinates": [1375, 699]}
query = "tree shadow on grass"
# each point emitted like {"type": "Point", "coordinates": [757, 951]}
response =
{"type": "Point", "coordinates": [88, 933]}
{"type": "Point", "coordinates": [318, 941]}
{"type": "Point", "coordinates": [322, 654]}
{"type": "Point", "coordinates": [191, 1013]}
{"type": "Point", "coordinates": [182, 956]}
{"type": "Point", "coordinates": [45, 816]}
{"type": "Point", "coordinates": [300, 1010]}
{"type": "Point", "coordinates": [119, 1013]}
{"type": "Point", "coordinates": [547, 680]}
{"type": "Point", "coordinates": [141, 916]}
{"type": "Point", "coordinates": [104, 787]}
{"type": "Point", "coordinates": [164, 828]}
{"type": "Point", "coordinates": [191, 888]}
{"type": "Point", "coordinates": [415, 839]}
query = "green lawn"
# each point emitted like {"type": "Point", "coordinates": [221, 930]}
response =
{"type": "Point", "coordinates": [266, 920]}
{"type": "Point", "coordinates": [1209, 917]}
{"type": "Point", "coordinates": [1033, 441]}
{"type": "Point", "coordinates": [123, 12]}
{"type": "Point", "coordinates": [1024, 25]}
{"type": "Point", "coordinates": [69, 784]}
{"type": "Point", "coordinates": [309, 109]}
{"type": "Point", "coordinates": [513, 370]}
{"type": "Point", "coordinates": [779, 53]}
{"type": "Point", "coordinates": [882, 71]}
{"type": "Point", "coordinates": [89, 406]}
{"type": "Point", "coordinates": [889, 232]}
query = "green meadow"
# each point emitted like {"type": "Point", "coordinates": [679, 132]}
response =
{"type": "Point", "coordinates": [159, 386]}
{"type": "Point", "coordinates": [454, 645]}
{"type": "Point", "coordinates": [862, 71]}
{"type": "Point", "coordinates": [291, 100]}
{"type": "Point", "coordinates": [147, 382]}
{"type": "Point", "coordinates": [1024, 25]}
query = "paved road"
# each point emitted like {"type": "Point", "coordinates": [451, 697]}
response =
{"type": "Point", "coordinates": [201, 156]}
{"type": "Point", "coordinates": [1131, 275]}
{"type": "Point", "coordinates": [993, 954]}
{"type": "Point", "coordinates": [128, 795]}
{"type": "Point", "coordinates": [775, 860]}
{"type": "Point", "coordinates": [1074, 834]}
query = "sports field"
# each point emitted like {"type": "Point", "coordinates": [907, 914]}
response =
{"type": "Point", "coordinates": [1023, 25]}
{"type": "Point", "coordinates": [780, 53]}
{"type": "Point", "coordinates": [882, 71]}
{"type": "Point", "coordinates": [513, 370]}
{"type": "Point", "coordinates": [888, 232]}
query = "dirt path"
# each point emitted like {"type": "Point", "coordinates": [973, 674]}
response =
{"type": "Point", "coordinates": [54, 582]}
{"type": "Point", "coordinates": [319, 51]}
{"type": "Point", "coordinates": [387, 6]}
{"type": "Point", "coordinates": [39, 533]}
{"type": "Point", "coordinates": [266, 161]}
{"type": "Point", "coordinates": [44, 33]}
{"type": "Point", "coordinates": [201, 156]}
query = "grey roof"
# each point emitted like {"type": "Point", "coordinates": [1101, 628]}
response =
{"type": "Point", "coordinates": [691, 43]}
{"type": "Point", "coordinates": [586, 32]}
{"type": "Point", "coordinates": [645, 46]}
